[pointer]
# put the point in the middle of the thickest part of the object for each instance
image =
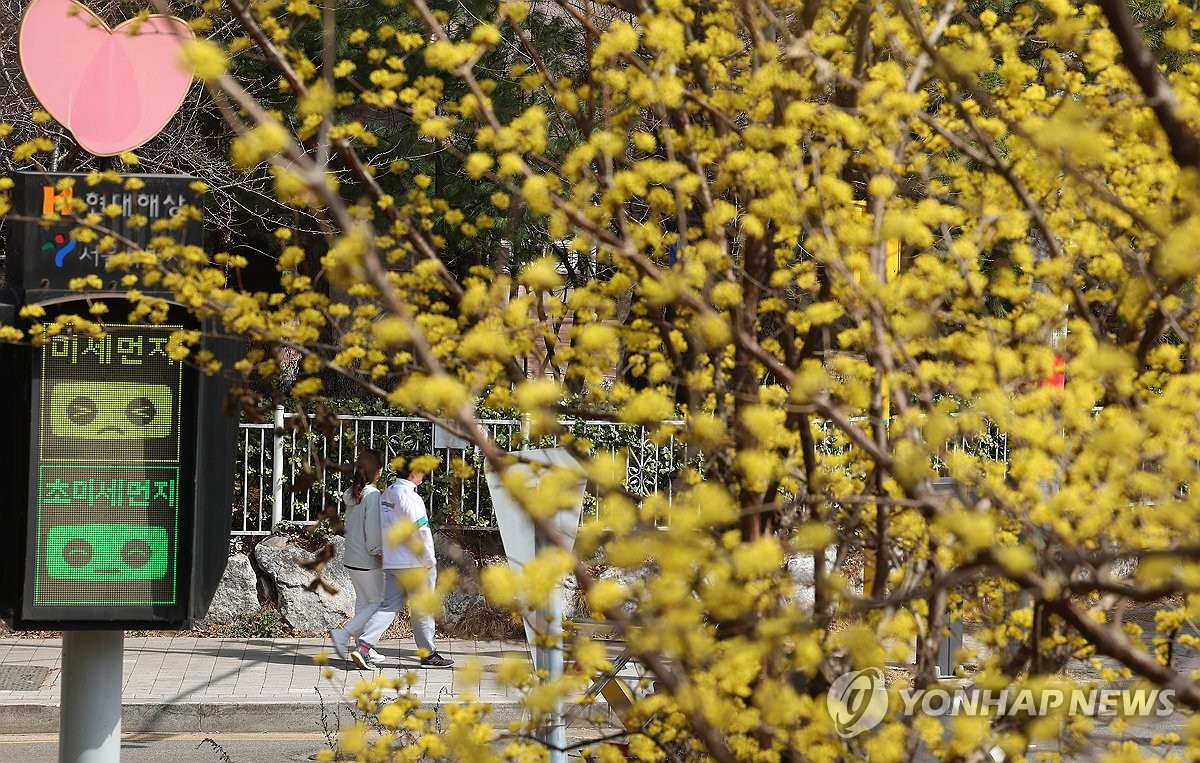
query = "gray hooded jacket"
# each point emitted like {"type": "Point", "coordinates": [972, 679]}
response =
{"type": "Point", "coordinates": [364, 539]}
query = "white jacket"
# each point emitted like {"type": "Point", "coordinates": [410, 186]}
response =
{"type": "Point", "coordinates": [364, 537]}
{"type": "Point", "coordinates": [400, 503]}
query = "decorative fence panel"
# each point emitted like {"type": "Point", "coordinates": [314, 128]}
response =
{"type": "Point", "coordinates": [269, 465]}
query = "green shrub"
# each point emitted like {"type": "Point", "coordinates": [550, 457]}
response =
{"type": "Point", "coordinates": [265, 623]}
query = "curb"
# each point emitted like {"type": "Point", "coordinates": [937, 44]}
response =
{"type": "Point", "coordinates": [242, 717]}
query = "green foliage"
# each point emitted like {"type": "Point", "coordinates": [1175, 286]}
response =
{"type": "Point", "coordinates": [267, 622]}
{"type": "Point", "coordinates": [312, 535]}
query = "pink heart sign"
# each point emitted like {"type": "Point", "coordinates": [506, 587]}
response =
{"type": "Point", "coordinates": [113, 89]}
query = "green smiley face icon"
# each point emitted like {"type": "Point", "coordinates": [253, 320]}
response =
{"type": "Point", "coordinates": [110, 410]}
{"type": "Point", "coordinates": [106, 552]}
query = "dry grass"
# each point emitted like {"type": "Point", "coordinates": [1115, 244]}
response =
{"type": "Point", "coordinates": [487, 624]}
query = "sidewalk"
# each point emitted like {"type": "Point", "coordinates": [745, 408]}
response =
{"type": "Point", "coordinates": [238, 685]}
{"type": "Point", "coordinates": [214, 686]}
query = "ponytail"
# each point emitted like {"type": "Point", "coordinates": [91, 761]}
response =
{"type": "Point", "coordinates": [369, 462]}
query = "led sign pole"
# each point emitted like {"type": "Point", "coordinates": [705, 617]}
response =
{"type": "Point", "coordinates": [109, 525]}
{"type": "Point", "coordinates": [89, 729]}
{"type": "Point", "coordinates": [105, 527]}
{"type": "Point", "coordinates": [123, 466]}
{"type": "Point", "coordinates": [522, 541]}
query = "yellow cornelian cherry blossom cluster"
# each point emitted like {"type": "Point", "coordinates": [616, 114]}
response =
{"type": "Point", "coordinates": [740, 178]}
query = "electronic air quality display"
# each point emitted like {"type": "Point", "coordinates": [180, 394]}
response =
{"type": "Point", "coordinates": [107, 435]}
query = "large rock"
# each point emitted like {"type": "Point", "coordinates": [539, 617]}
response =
{"type": "Point", "coordinates": [1124, 568]}
{"type": "Point", "coordinates": [464, 598]}
{"type": "Point", "coordinates": [802, 569]}
{"type": "Point", "coordinates": [450, 554]}
{"type": "Point", "coordinates": [306, 611]}
{"type": "Point", "coordinates": [575, 601]}
{"type": "Point", "coordinates": [457, 605]}
{"type": "Point", "coordinates": [237, 594]}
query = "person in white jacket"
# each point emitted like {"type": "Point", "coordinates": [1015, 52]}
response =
{"type": "Point", "coordinates": [364, 550]}
{"type": "Point", "coordinates": [398, 505]}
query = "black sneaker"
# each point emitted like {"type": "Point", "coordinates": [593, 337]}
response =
{"type": "Point", "coordinates": [361, 656]}
{"type": "Point", "coordinates": [435, 660]}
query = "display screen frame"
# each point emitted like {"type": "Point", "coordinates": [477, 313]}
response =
{"type": "Point", "coordinates": [108, 584]}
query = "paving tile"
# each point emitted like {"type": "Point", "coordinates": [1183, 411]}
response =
{"type": "Point", "coordinates": [181, 670]}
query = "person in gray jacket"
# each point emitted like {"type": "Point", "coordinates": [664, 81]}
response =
{"type": "Point", "coordinates": [400, 505]}
{"type": "Point", "coordinates": [364, 552]}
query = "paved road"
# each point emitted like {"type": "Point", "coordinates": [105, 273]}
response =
{"type": "Point", "coordinates": [172, 748]}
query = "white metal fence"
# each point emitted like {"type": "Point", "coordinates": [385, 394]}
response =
{"type": "Point", "coordinates": [269, 464]}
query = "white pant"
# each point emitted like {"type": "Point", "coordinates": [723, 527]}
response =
{"type": "Point", "coordinates": [394, 598]}
{"type": "Point", "coordinates": [368, 594]}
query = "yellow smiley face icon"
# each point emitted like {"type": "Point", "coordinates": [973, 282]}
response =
{"type": "Point", "coordinates": [111, 410]}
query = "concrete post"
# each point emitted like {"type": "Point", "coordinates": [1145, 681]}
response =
{"type": "Point", "coordinates": [522, 542]}
{"type": "Point", "coordinates": [549, 657]}
{"type": "Point", "coordinates": [90, 727]}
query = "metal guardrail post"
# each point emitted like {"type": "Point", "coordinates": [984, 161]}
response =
{"type": "Point", "coordinates": [277, 469]}
{"type": "Point", "coordinates": [951, 643]}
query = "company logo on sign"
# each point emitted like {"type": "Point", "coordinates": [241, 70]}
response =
{"type": "Point", "coordinates": [62, 246]}
{"type": "Point", "coordinates": [56, 202]}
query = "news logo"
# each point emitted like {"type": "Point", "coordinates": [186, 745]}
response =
{"type": "Point", "coordinates": [857, 702]}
